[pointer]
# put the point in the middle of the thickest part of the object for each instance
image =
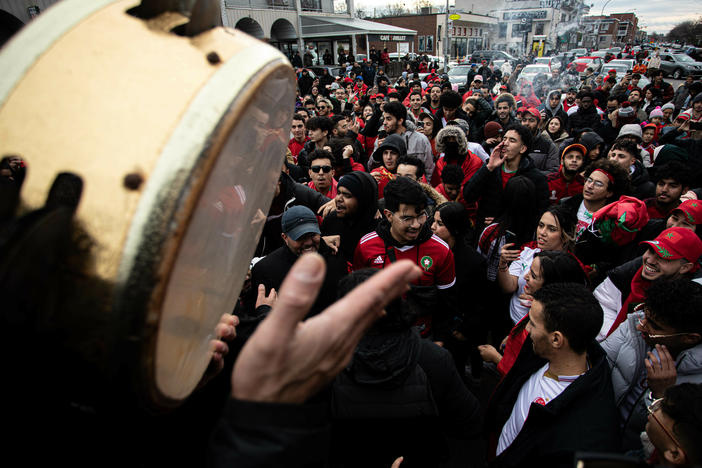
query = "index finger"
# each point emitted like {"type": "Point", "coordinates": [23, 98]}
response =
{"type": "Point", "coordinates": [364, 304]}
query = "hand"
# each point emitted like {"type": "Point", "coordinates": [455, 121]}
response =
{"type": "Point", "coordinates": [508, 255]}
{"type": "Point", "coordinates": [526, 299]}
{"type": "Point", "coordinates": [488, 353]}
{"type": "Point", "coordinates": [333, 242]}
{"type": "Point", "coordinates": [355, 126]}
{"type": "Point", "coordinates": [439, 344]}
{"type": "Point", "coordinates": [689, 195]}
{"type": "Point", "coordinates": [225, 331]}
{"type": "Point", "coordinates": [497, 157]}
{"type": "Point", "coordinates": [489, 220]}
{"type": "Point", "coordinates": [348, 151]}
{"type": "Point", "coordinates": [685, 127]}
{"type": "Point", "coordinates": [491, 141]}
{"type": "Point", "coordinates": [327, 208]}
{"type": "Point", "coordinates": [286, 360]}
{"type": "Point", "coordinates": [262, 299]}
{"type": "Point", "coordinates": [378, 176]}
{"type": "Point", "coordinates": [397, 462]}
{"type": "Point", "coordinates": [661, 374]}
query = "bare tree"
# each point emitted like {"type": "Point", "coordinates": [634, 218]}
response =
{"type": "Point", "coordinates": [688, 32]}
{"type": "Point", "coordinates": [396, 9]}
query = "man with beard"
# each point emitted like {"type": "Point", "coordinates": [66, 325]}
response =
{"type": "Point", "coordinates": [664, 88]}
{"type": "Point", "coordinates": [504, 105]}
{"type": "Point", "coordinates": [569, 101]}
{"type": "Point", "coordinates": [658, 346]}
{"type": "Point", "coordinates": [300, 233]}
{"type": "Point", "coordinates": [508, 159]}
{"type": "Point", "coordinates": [415, 102]}
{"type": "Point", "coordinates": [404, 233]}
{"type": "Point", "coordinates": [434, 99]}
{"type": "Point", "coordinates": [586, 116]}
{"type": "Point", "coordinates": [674, 253]}
{"type": "Point", "coordinates": [395, 123]}
{"type": "Point", "coordinates": [557, 398]}
{"type": "Point", "coordinates": [567, 182]}
{"type": "Point", "coordinates": [544, 153]}
{"type": "Point", "coordinates": [672, 181]}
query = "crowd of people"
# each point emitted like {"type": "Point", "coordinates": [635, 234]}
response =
{"type": "Point", "coordinates": [548, 234]}
{"type": "Point", "coordinates": [555, 227]}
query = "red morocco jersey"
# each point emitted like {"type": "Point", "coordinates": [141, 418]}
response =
{"type": "Point", "coordinates": [434, 257]}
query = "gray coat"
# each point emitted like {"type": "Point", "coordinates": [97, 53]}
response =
{"type": "Point", "coordinates": [626, 351]}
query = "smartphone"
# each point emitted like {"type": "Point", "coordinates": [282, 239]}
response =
{"type": "Point", "coordinates": [510, 237]}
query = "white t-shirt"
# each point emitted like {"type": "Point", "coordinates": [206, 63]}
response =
{"type": "Point", "coordinates": [519, 268]}
{"type": "Point", "coordinates": [584, 220]}
{"type": "Point", "coordinates": [538, 389]}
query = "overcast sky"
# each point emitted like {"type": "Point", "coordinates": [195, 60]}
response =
{"type": "Point", "coordinates": [657, 15]}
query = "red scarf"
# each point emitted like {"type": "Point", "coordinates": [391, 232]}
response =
{"type": "Point", "coordinates": [639, 286]}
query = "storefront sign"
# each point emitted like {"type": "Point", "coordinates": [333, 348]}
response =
{"type": "Point", "coordinates": [387, 38]}
{"type": "Point", "coordinates": [515, 15]}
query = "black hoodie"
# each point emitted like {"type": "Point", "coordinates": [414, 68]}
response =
{"type": "Point", "coordinates": [351, 229]}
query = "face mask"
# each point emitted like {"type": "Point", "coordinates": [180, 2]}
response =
{"type": "Point", "coordinates": [451, 148]}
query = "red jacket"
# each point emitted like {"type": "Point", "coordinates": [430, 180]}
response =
{"type": "Point", "coordinates": [559, 187]}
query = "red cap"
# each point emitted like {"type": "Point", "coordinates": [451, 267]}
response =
{"type": "Point", "coordinates": [612, 70]}
{"type": "Point", "coordinates": [692, 209]}
{"type": "Point", "coordinates": [676, 243]}
{"type": "Point", "coordinates": [530, 110]}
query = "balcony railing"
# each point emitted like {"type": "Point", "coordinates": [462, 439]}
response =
{"type": "Point", "coordinates": [261, 4]}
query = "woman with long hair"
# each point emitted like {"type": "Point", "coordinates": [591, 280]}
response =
{"type": "Point", "coordinates": [451, 223]}
{"type": "Point", "coordinates": [555, 231]}
{"type": "Point", "coordinates": [548, 267]}
{"type": "Point", "coordinates": [555, 130]}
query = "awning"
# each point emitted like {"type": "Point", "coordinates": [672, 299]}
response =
{"type": "Point", "coordinates": [325, 26]}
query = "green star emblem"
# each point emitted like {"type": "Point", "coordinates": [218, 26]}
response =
{"type": "Point", "coordinates": [426, 262]}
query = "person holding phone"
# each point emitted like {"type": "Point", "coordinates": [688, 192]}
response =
{"type": "Point", "coordinates": [555, 232]}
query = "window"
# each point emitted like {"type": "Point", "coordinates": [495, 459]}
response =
{"type": "Point", "coordinates": [603, 38]}
{"type": "Point", "coordinates": [429, 44]}
{"type": "Point", "coordinates": [539, 29]}
{"type": "Point", "coordinates": [503, 30]}
{"type": "Point", "coordinates": [421, 43]}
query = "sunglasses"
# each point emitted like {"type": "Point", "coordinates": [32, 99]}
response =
{"type": "Point", "coordinates": [325, 169]}
{"type": "Point", "coordinates": [321, 107]}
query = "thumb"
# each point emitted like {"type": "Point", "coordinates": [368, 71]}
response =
{"type": "Point", "coordinates": [261, 293]}
{"type": "Point", "coordinates": [296, 295]}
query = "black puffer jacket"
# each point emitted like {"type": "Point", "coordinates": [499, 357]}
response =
{"type": "Point", "coordinates": [402, 395]}
{"type": "Point", "coordinates": [584, 119]}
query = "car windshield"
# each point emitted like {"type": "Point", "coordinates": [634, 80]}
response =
{"type": "Point", "coordinates": [536, 69]}
{"type": "Point", "coordinates": [683, 58]}
{"type": "Point", "coordinates": [582, 60]}
{"type": "Point", "coordinates": [459, 70]}
{"type": "Point", "coordinates": [542, 60]}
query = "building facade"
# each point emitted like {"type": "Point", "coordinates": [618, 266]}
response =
{"type": "Point", "coordinates": [467, 33]}
{"type": "Point", "coordinates": [523, 22]}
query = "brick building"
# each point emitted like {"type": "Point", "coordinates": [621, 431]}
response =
{"type": "Point", "coordinates": [468, 33]}
{"type": "Point", "coordinates": [628, 27]}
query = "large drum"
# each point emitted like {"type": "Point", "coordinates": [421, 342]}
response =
{"type": "Point", "coordinates": [177, 131]}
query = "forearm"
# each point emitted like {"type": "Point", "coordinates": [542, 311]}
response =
{"type": "Point", "coordinates": [506, 281]}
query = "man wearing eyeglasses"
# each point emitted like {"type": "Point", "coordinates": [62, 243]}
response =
{"type": "Point", "coordinates": [403, 233]}
{"type": "Point", "coordinates": [674, 427]}
{"type": "Point", "coordinates": [322, 173]}
{"type": "Point", "coordinates": [658, 346]}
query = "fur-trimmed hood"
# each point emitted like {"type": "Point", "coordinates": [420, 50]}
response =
{"type": "Point", "coordinates": [455, 132]}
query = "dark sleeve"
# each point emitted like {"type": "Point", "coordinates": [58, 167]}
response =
{"type": "Point", "coordinates": [670, 136]}
{"type": "Point", "coordinates": [474, 188]}
{"type": "Point", "coordinates": [371, 128]}
{"type": "Point", "coordinates": [459, 410]}
{"type": "Point", "coordinates": [269, 434]}
{"type": "Point", "coordinates": [311, 198]}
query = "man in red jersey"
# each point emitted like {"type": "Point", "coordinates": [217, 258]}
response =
{"type": "Point", "coordinates": [299, 133]}
{"type": "Point", "coordinates": [404, 233]}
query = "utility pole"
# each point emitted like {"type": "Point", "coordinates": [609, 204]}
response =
{"type": "Point", "coordinates": [447, 45]}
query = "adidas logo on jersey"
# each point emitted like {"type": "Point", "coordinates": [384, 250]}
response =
{"type": "Point", "coordinates": [378, 260]}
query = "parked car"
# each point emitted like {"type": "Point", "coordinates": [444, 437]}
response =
{"type": "Point", "coordinates": [550, 62]}
{"type": "Point", "coordinates": [577, 52]}
{"type": "Point", "coordinates": [582, 63]}
{"type": "Point", "coordinates": [680, 65]}
{"type": "Point", "coordinates": [491, 55]}
{"type": "Point", "coordinates": [629, 63]}
{"type": "Point", "coordinates": [531, 71]}
{"type": "Point", "coordinates": [695, 53]}
{"type": "Point", "coordinates": [333, 70]}
{"type": "Point", "coordinates": [458, 75]}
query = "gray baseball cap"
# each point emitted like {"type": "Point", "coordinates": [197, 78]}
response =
{"type": "Point", "coordinates": [298, 221]}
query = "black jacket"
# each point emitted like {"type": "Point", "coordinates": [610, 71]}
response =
{"type": "Point", "coordinates": [582, 418]}
{"type": "Point", "coordinates": [402, 395]}
{"type": "Point", "coordinates": [641, 183]}
{"type": "Point", "coordinates": [274, 267]}
{"type": "Point", "coordinates": [584, 119]}
{"type": "Point", "coordinates": [485, 187]}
